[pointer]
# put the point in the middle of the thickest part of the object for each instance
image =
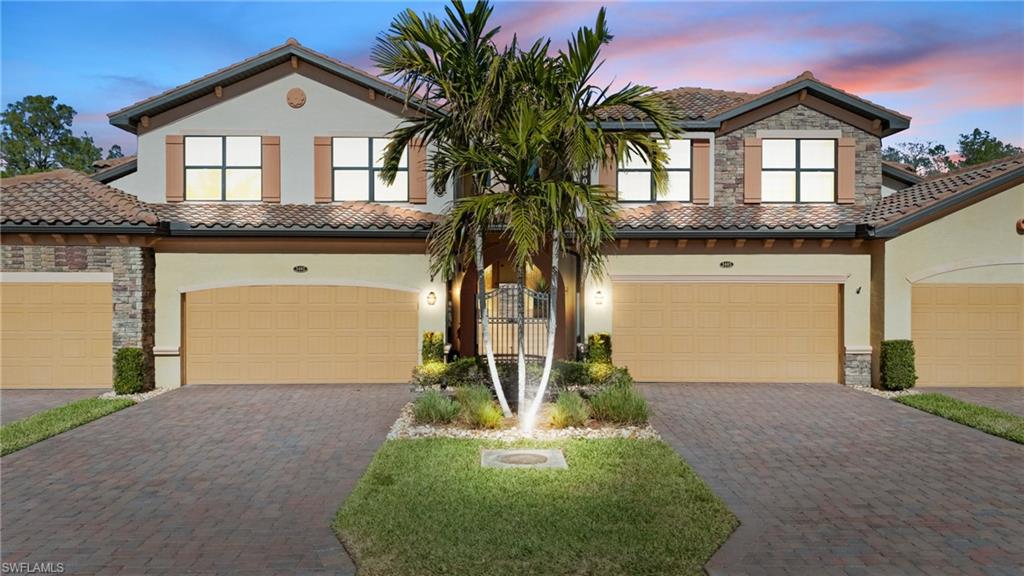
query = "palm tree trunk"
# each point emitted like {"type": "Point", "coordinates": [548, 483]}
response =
{"type": "Point", "coordinates": [521, 336]}
{"type": "Point", "coordinates": [549, 356]}
{"type": "Point", "coordinates": [485, 326]}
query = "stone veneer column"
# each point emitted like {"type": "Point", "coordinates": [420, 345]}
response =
{"type": "Point", "coordinates": [857, 367]}
{"type": "Point", "coordinates": [133, 290]}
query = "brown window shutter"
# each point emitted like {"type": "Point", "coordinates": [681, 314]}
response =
{"type": "Point", "coordinates": [271, 169]}
{"type": "Point", "coordinates": [417, 173]}
{"type": "Point", "coordinates": [701, 171]}
{"type": "Point", "coordinates": [752, 171]}
{"type": "Point", "coordinates": [175, 167]}
{"type": "Point", "coordinates": [846, 171]}
{"type": "Point", "coordinates": [322, 189]}
{"type": "Point", "coordinates": [608, 173]}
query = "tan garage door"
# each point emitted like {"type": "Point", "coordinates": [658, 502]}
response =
{"type": "Point", "coordinates": [56, 335]}
{"type": "Point", "coordinates": [678, 332]}
{"type": "Point", "coordinates": [968, 335]}
{"type": "Point", "coordinates": [300, 334]}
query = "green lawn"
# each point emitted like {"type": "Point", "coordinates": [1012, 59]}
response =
{"type": "Point", "coordinates": [995, 422]}
{"type": "Point", "coordinates": [426, 507]}
{"type": "Point", "coordinates": [26, 432]}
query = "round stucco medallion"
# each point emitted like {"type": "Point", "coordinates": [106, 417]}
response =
{"type": "Point", "coordinates": [296, 98]}
{"type": "Point", "coordinates": [1020, 226]}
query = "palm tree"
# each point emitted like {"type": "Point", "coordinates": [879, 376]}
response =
{"type": "Point", "coordinates": [449, 65]}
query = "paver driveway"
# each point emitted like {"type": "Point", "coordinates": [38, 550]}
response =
{"type": "Point", "coordinates": [829, 480]}
{"type": "Point", "coordinates": [218, 479]}
{"type": "Point", "coordinates": [16, 404]}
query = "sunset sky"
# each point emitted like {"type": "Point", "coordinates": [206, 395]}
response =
{"type": "Point", "coordinates": [951, 66]}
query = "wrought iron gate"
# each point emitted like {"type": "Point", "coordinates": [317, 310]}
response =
{"type": "Point", "coordinates": [501, 315]}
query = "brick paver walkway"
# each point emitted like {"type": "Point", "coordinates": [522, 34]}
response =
{"type": "Point", "coordinates": [1005, 399]}
{"type": "Point", "coordinates": [828, 480]}
{"type": "Point", "coordinates": [16, 404]}
{"type": "Point", "coordinates": [203, 480]}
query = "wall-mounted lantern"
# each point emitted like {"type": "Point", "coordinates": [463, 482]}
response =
{"type": "Point", "coordinates": [431, 299]}
{"type": "Point", "coordinates": [599, 298]}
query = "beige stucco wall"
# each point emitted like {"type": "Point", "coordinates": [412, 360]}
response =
{"type": "Point", "coordinates": [182, 273]}
{"type": "Point", "coordinates": [264, 111]}
{"type": "Point", "coordinates": [976, 245]}
{"type": "Point", "coordinates": [852, 270]}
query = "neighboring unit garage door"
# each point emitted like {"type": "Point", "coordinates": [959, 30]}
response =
{"type": "Point", "coordinates": [56, 335]}
{"type": "Point", "coordinates": [736, 332]}
{"type": "Point", "coordinates": [300, 334]}
{"type": "Point", "coordinates": [968, 335]}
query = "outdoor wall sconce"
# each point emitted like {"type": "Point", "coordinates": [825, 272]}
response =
{"type": "Point", "coordinates": [300, 269]}
{"type": "Point", "coordinates": [598, 298]}
{"type": "Point", "coordinates": [431, 299]}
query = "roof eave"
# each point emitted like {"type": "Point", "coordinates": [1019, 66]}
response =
{"type": "Point", "coordinates": [907, 223]}
{"type": "Point", "coordinates": [110, 174]}
{"type": "Point", "coordinates": [838, 231]}
{"type": "Point", "coordinates": [184, 229]}
{"type": "Point", "coordinates": [79, 228]}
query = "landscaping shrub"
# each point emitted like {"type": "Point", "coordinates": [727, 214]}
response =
{"type": "Point", "coordinates": [478, 407]}
{"type": "Point", "coordinates": [433, 407]}
{"type": "Point", "coordinates": [619, 405]}
{"type": "Point", "coordinates": [466, 372]}
{"type": "Point", "coordinates": [432, 349]}
{"type": "Point", "coordinates": [129, 375]}
{"type": "Point", "coordinates": [570, 410]}
{"type": "Point", "coordinates": [599, 348]}
{"type": "Point", "coordinates": [430, 374]}
{"type": "Point", "coordinates": [600, 372]}
{"type": "Point", "coordinates": [569, 373]}
{"type": "Point", "coordinates": [898, 372]}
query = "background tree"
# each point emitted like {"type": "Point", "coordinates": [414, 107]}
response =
{"type": "Point", "coordinates": [35, 136]}
{"type": "Point", "coordinates": [979, 147]}
{"type": "Point", "coordinates": [115, 152]}
{"type": "Point", "coordinates": [926, 158]}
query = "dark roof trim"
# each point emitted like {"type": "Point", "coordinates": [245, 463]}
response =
{"type": "Point", "coordinates": [892, 122]}
{"type": "Point", "coordinates": [907, 223]}
{"type": "Point", "coordinates": [128, 118]}
{"type": "Point", "coordinates": [108, 175]}
{"type": "Point", "coordinates": [184, 229]}
{"type": "Point", "coordinates": [901, 175]}
{"type": "Point", "coordinates": [49, 228]}
{"type": "Point", "coordinates": [839, 231]}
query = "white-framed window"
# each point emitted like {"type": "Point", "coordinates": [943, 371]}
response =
{"type": "Point", "coordinates": [636, 180]}
{"type": "Point", "coordinates": [798, 170]}
{"type": "Point", "coordinates": [227, 168]}
{"type": "Point", "coordinates": [356, 166]}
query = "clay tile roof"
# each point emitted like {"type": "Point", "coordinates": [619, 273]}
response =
{"type": "Point", "coordinates": [691, 102]}
{"type": "Point", "coordinates": [938, 188]}
{"type": "Point", "coordinates": [66, 197]}
{"type": "Point", "coordinates": [678, 216]}
{"type": "Point", "coordinates": [808, 75]}
{"type": "Point", "coordinates": [112, 162]}
{"type": "Point", "coordinates": [357, 216]}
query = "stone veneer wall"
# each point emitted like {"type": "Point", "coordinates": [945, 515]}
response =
{"type": "Point", "coordinates": [134, 285]}
{"type": "Point", "coordinates": [857, 367]}
{"type": "Point", "coordinates": [729, 154]}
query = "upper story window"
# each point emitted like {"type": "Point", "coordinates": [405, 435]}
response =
{"type": "Point", "coordinates": [636, 180]}
{"type": "Point", "coordinates": [356, 165]}
{"type": "Point", "coordinates": [223, 168]}
{"type": "Point", "coordinates": [798, 170]}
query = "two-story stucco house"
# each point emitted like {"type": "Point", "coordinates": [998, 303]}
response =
{"type": "Point", "coordinates": [250, 241]}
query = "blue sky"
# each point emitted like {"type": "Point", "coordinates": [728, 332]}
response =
{"type": "Point", "coordinates": [952, 66]}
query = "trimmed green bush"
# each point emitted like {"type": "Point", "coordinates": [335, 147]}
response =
{"type": "Point", "coordinates": [600, 372]}
{"type": "Point", "coordinates": [432, 349]}
{"type": "Point", "coordinates": [599, 348]}
{"type": "Point", "coordinates": [898, 371]}
{"type": "Point", "coordinates": [430, 374]}
{"type": "Point", "coordinates": [129, 374]}
{"type": "Point", "coordinates": [569, 373]}
{"type": "Point", "coordinates": [570, 410]}
{"type": "Point", "coordinates": [466, 372]}
{"type": "Point", "coordinates": [433, 407]}
{"type": "Point", "coordinates": [619, 405]}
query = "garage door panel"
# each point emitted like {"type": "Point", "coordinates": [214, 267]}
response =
{"type": "Point", "coordinates": [56, 335]}
{"type": "Point", "coordinates": [728, 332]}
{"type": "Point", "coordinates": [968, 335]}
{"type": "Point", "coordinates": [300, 334]}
